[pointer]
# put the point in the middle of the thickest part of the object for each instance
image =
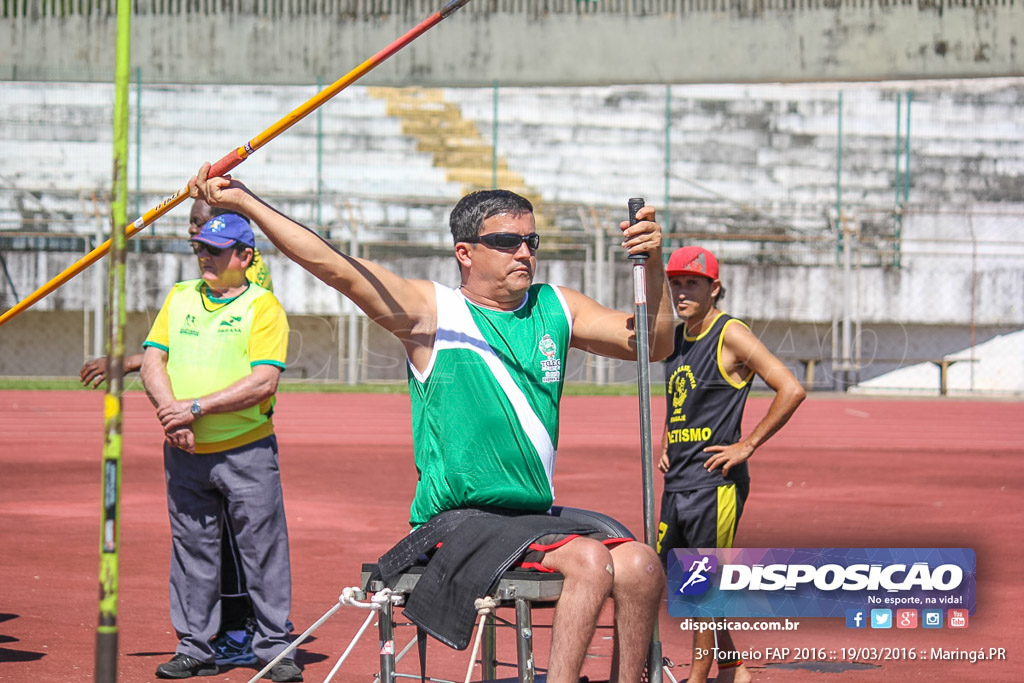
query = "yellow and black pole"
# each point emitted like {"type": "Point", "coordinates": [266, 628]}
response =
{"type": "Point", "coordinates": [110, 524]}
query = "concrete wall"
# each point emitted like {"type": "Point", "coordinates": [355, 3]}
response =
{"type": "Point", "coordinates": [522, 42]}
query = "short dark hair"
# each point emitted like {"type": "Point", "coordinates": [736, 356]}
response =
{"type": "Point", "coordinates": [468, 216]}
{"type": "Point", "coordinates": [240, 248]}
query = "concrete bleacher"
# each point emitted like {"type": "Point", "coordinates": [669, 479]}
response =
{"type": "Point", "coordinates": [760, 144]}
{"type": "Point", "coordinates": [57, 142]}
{"type": "Point", "coordinates": [768, 145]}
{"type": "Point", "coordinates": [744, 160]}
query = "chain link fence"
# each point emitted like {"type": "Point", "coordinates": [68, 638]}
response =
{"type": "Point", "coordinates": [862, 229]}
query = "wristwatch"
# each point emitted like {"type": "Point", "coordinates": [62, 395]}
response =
{"type": "Point", "coordinates": [197, 409]}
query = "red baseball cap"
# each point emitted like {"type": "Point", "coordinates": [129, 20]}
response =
{"type": "Point", "coordinates": [692, 261]}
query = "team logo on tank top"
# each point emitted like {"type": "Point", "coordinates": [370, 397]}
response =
{"type": "Point", "coordinates": [680, 384]}
{"type": "Point", "coordinates": [550, 366]}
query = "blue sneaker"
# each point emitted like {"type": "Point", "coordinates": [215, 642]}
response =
{"type": "Point", "coordinates": [227, 650]}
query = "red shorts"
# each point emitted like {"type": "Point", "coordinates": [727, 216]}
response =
{"type": "Point", "coordinates": [534, 555]}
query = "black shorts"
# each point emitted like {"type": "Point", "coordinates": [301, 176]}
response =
{"type": "Point", "coordinates": [701, 518]}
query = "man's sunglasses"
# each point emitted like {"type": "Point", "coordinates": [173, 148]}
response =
{"type": "Point", "coordinates": [202, 246]}
{"type": "Point", "coordinates": [507, 241]}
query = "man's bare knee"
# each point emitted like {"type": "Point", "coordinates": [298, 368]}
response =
{"type": "Point", "coordinates": [584, 559]}
{"type": "Point", "coordinates": [638, 565]}
{"type": "Point", "coordinates": [637, 558]}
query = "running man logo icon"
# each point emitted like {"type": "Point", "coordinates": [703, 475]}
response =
{"type": "Point", "coordinates": [696, 580]}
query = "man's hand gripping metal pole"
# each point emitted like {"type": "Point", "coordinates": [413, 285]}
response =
{"type": "Point", "coordinates": [643, 379]}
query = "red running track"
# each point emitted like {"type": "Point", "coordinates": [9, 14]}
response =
{"type": "Point", "coordinates": [845, 472]}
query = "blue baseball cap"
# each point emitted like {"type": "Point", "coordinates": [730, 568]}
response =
{"type": "Point", "coordinates": [224, 230]}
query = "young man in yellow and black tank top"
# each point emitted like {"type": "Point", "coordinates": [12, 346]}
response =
{"type": "Point", "coordinates": [704, 453]}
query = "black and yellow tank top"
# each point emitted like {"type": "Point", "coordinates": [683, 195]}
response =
{"type": "Point", "coordinates": [705, 407]}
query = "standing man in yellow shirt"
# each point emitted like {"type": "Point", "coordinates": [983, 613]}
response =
{"type": "Point", "coordinates": [233, 645]}
{"type": "Point", "coordinates": [211, 366]}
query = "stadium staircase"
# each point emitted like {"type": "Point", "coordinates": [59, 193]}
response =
{"type": "Point", "coordinates": [457, 146]}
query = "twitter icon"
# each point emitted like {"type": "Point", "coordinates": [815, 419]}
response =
{"type": "Point", "coordinates": [881, 618]}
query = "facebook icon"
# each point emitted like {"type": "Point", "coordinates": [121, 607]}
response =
{"type": "Point", "coordinates": [856, 618]}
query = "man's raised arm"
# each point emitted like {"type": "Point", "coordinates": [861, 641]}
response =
{"type": "Point", "coordinates": [404, 307]}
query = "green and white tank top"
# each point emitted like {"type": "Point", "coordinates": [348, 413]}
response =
{"type": "Point", "coordinates": [485, 410]}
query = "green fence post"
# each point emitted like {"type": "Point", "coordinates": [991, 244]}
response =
{"type": "Point", "coordinates": [897, 208]}
{"type": "Point", "coordinates": [665, 219]}
{"type": "Point", "coordinates": [840, 239]}
{"type": "Point", "coordinates": [494, 141]}
{"type": "Point", "coordinates": [319, 161]}
{"type": "Point", "coordinates": [138, 148]}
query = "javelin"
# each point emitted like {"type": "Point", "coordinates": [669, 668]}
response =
{"type": "Point", "coordinates": [237, 156]}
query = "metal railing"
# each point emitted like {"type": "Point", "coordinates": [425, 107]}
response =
{"type": "Point", "coordinates": [380, 8]}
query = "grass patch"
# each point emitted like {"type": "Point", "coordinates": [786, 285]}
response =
{"type": "Point", "coordinates": [132, 383]}
{"type": "Point", "coordinates": [39, 384]}
{"type": "Point", "coordinates": [584, 389]}
{"type": "Point", "coordinates": [308, 387]}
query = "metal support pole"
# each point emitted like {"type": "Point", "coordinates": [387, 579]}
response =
{"type": "Point", "coordinates": [524, 641]}
{"type": "Point", "coordinates": [386, 630]}
{"type": "Point", "coordinates": [489, 649]}
{"type": "Point", "coordinates": [643, 379]}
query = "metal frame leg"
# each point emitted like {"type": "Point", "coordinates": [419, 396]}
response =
{"type": "Point", "coordinates": [524, 641]}
{"type": "Point", "coordinates": [386, 629]}
{"type": "Point", "coordinates": [489, 649]}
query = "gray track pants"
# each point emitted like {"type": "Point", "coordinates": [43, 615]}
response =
{"type": "Point", "coordinates": [244, 484]}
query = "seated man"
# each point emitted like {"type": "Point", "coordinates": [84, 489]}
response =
{"type": "Point", "coordinates": [486, 365]}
